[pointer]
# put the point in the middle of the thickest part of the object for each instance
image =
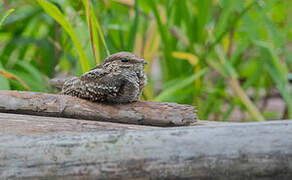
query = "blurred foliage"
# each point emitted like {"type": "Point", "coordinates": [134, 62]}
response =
{"type": "Point", "coordinates": [218, 55]}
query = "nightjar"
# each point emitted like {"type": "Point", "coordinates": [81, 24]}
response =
{"type": "Point", "coordinates": [119, 79]}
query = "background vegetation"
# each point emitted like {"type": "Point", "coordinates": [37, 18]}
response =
{"type": "Point", "coordinates": [220, 55]}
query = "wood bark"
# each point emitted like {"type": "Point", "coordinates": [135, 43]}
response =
{"type": "Point", "coordinates": [38, 125]}
{"type": "Point", "coordinates": [237, 151]}
{"type": "Point", "coordinates": [141, 112]}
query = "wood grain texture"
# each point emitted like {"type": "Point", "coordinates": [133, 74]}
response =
{"type": "Point", "coordinates": [234, 151]}
{"type": "Point", "coordinates": [141, 112]}
{"type": "Point", "coordinates": [17, 124]}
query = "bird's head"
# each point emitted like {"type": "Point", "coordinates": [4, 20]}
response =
{"type": "Point", "coordinates": [125, 60]}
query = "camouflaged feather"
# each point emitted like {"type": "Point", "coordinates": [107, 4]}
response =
{"type": "Point", "coordinates": [119, 79]}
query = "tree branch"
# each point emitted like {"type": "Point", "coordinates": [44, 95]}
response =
{"type": "Point", "coordinates": [141, 112]}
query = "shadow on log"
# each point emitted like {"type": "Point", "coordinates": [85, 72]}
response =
{"type": "Point", "coordinates": [239, 151]}
{"type": "Point", "coordinates": [141, 112]}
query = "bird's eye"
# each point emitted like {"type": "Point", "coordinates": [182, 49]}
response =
{"type": "Point", "coordinates": [124, 60]}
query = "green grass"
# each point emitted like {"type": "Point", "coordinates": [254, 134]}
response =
{"type": "Point", "coordinates": [229, 48]}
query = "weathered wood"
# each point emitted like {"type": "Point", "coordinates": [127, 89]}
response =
{"type": "Point", "coordinates": [38, 125]}
{"type": "Point", "coordinates": [141, 112]}
{"type": "Point", "coordinates": [239, 151]}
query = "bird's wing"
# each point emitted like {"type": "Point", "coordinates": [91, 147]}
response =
{"type": "Point", "coordinates": [100, 84]}
{"type": "Point", "coordinates": [94, 74]}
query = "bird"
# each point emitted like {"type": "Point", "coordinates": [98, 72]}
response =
{"type": "Point", "coordinates": [119, 79]}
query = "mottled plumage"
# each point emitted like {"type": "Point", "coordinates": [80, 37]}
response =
{"type": "Point", "coordinates": [119, 79]}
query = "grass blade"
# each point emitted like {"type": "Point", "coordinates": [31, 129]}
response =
{"type": "Point", "coordinates": [92, 33]}
{"type": "Point", "coordinates": [135, 27]}
{"type": "Point", "coordinates": [279, 74]}
{"type": "Point", "coordinates": [56, 14]}
{"type": "Point", "coordinates": [228, 28]}
{"type": "Point", "coordinates": [96, 25]}
{"type": "Point", "coordinates": [4, 83]}
{"type": "Point", "coordinates": [251, 108]}
{"type": "Point", "coordinates": [14, 77]}
{"type": "Point", "coordinates": [191, 58]}
{"type": "Point", "coordinates": [5, 16]}
{"type": "Point", "coordinates": [181, 85]}
{"type": "Point", "coordinates": [163, 33]}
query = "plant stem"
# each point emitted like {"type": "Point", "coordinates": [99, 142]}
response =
{"type": "Point", "coordinates": [251, 108]}
{"type": "Point", "coordinates": [230, 46]}
{"type": "Point", "coordinates": [90, 31]}
{"type": "Point", "coordinates": [228, 29]}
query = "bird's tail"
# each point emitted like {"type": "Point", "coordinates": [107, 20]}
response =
{"type": "Point", "coordinates": [58, 82]}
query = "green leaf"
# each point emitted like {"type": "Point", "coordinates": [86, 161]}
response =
{"type": "Point", "coordinates": [278, 72]}
{"type": "Point", "coordinates": [218, 67]}
{"type": "Point", "coordinates": [5, 16]}
{"type": "Point", "coordinates": [184, 83]}
{"type": "Point", "coordinates": [96, 25]}
{"type": "Point", "coordinates": [90, 17]}
{"type": "Point", "coordinates": [4, 83]}
{"type": "Point", "coordinates": [166, 66]}
{"type": "Point", "coordinates": [30, 75]}
{"type": "Point", "coordinates": [134, 27]}
{"type": "Point", "coordinates": [56, 14]}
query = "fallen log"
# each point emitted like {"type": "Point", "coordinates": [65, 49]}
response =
{"type": "Point", "coordinates": [141, 112]}
{"type": "Point", "coordinates": [39, 125]}
{"type": "Point", "coordinates": [19, 124]}
{"type": "Point", "coordinates": [234, 151]}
